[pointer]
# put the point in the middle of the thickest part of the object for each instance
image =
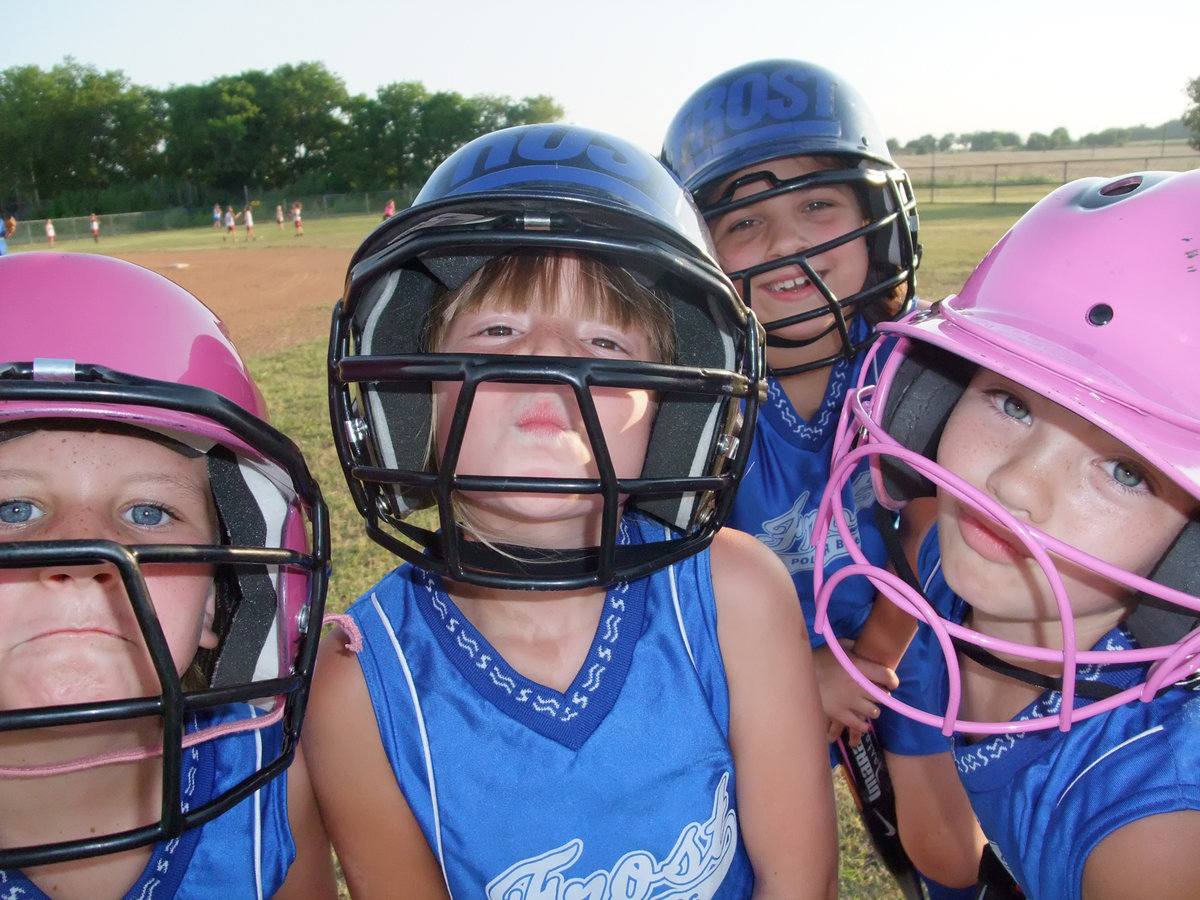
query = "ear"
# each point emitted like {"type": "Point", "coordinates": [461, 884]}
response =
{"type": "Point", "coordinates": [208, 637]}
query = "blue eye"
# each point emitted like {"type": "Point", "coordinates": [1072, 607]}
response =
{"type": "Point", "coordinates": [1127, 475]}
{"type": "Point", "coordinates": [1014, 407]}
{"type": "Point", "coordinates": [147, 515]}
{"type": "Point", "coordinates": [18, 512]}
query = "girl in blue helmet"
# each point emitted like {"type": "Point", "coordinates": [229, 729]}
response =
{"type": "Point", "coordinates": [817, 225]}
{"type": "Point", "coordinates": [576, 685]}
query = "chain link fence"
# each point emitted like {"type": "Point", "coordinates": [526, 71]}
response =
{"type": "Point", "coordinates": [32, 230]}
{"type": "Point", "coordinates": [937, 178]}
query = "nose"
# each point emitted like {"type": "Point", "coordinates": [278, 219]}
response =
{"type": "Point", "coordinates": [788, 238]}
{"type": "Point", "coordinates": [63, 574]}
{"type": "Point", "coordinates": [80, 523]}
{"type": "Point", "coordinates": [549, 340]}
{"type": "Point", "coordinates": [1025, 481]}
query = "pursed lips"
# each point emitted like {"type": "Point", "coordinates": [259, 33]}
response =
{"type": "Point", "coordinates": [989, 539]}
{"type": "Point", "coordinates": [543, 417]}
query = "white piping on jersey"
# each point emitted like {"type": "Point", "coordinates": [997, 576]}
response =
{"type": "Point", "coordinates": [679, 614]}
{"type": "Point", "coordinates": [937, 567]}
{"type": "Point", "coordinates": [412, 692]}
{"type": "Point", "coordinates": [258, 763]}
{"type": "Point", "coordinates": [1098, 760]}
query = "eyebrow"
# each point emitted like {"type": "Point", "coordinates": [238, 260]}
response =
{"type": "Point", "coordinates": [195, 487]}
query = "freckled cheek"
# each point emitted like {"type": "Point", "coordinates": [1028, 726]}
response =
{"type": "Point", "coordinates": [1140, 546]}
{"type": "Point", "coordinates": [953, 453]}
{"type": "Point", "coordinates": [181, 596]}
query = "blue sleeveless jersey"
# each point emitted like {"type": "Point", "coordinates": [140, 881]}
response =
{"type": "Point", "coordinates": [623, 786]}
{"type": "Point", "coordinates": [241, 855]}
{"type": "Point", "coordinates": [785, 478]}
{"type": "Point", "coordinates": [1045, 799]}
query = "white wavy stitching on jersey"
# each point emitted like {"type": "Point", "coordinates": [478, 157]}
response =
{"type": "Point", "coordinates": [979, 756]}
{"type": "Point", "coordinates": [1048, 704]}
{"type": "Point", "coordinates": [501, 674]}
{"type": "Point", "coordinates": [693, 870]}
{"type": "Point", "coordinates": [790, 535]}
{"type": "Point", "coordinates": [826, 416]}
{"type": "Point", "coordinates": [467, 643]}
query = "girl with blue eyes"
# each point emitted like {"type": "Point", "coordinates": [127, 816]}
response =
{"type": "Point", "coordinates": [163, 551]}
{"type": "Point", "coordinates": [579, 685]}
{"type": "Point", "coordinates": [63, 484]}
{"type": "Point", "coordinates": [1040, 438]}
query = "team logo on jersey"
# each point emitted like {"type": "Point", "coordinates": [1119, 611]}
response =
{"type": "Point", "coordinates": [790, 536]}
{"type": "Point", "coordinates": [693, 870]}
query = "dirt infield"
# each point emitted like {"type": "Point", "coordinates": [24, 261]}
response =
{"type": "Point", "coordinates": [269, 300]}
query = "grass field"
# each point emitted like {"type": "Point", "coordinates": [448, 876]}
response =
{"type": "Point", "coordinates": [955, 236]}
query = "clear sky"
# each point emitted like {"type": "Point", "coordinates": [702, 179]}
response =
{"type": "Point", "coordinates": [625, 66]}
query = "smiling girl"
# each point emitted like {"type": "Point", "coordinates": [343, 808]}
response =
{"type": "Point", "coordinates": [817, 227]}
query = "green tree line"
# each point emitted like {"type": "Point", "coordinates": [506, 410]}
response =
{"type": "Point", "coordinates": [1058, 139]}
{"type": "Point", "coordinates": [75, 138]}
{"type": "Point", "coordinates": [1187, 126]}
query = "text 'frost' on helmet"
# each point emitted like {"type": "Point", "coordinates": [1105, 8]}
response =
{"type": "Point", "coordinates": [772, 109]}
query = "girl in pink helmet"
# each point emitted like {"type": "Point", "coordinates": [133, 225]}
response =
{"type": "Point", "coordinates": [163, 557]}
{"type": "Point", "coordinates": [1041, 433]}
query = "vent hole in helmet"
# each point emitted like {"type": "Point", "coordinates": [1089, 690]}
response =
{"type": "Point", "coordinates": [1119, 187]}
{"type": "Point", "coordinates": [1100, 314]}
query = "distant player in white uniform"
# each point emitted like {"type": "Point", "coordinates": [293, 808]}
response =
{"type": "Point", "coordinates": [1041, 437]}
{"type": "Point", "coordinates": [564, 691]}
{"type": "Point", "coordinates": [146, 689]}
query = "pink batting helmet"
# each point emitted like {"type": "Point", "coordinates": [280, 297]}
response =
{"type": "Point", "coordinates": [86, 339]}
{"type": "Point", "coordinates": [1092, 300]}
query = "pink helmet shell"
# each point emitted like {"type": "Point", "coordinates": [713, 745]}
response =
{"type": "Point", "coordinates": [87, 337]}
{"type": "Point", "coordinates": [1092, 299]}
{"type": "Point", "coordinates": [130, 320]}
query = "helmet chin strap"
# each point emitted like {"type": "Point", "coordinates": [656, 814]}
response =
{"type": "Point", "coordinates": [1091, 690]}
